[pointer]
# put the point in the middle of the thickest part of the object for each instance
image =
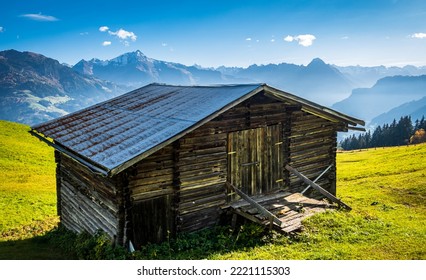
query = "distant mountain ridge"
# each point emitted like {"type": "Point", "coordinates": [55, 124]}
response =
{"type": "Point", "coordinates": [415, 109]}
{"type": "Point", "coordinates": [35, 88]}
{"type": "Point", "coordinates": [135, 69]}
{"type": "Point", "coordinates": [386, 94]}
{"type": "Point", "coordinates": [317, 81]}
{"type": "Point", "coordinates": [364, 77]}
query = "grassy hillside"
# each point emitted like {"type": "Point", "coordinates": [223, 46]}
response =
{"type": "Point", "coordinates": [27, 183]}
{"type": "Point", "coordinates": [385, 187]}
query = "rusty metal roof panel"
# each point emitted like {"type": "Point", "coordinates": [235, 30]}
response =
{"type": "Point", "coordinates": [116, 131]}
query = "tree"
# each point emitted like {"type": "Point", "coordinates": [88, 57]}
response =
{"type": "Point", "coordinates": [394, 134]}
{"type": "Point", "coordinates": [418, 137]}
{"type": "Point", "coordinates": [404, 130]}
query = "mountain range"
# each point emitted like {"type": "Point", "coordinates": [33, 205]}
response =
{"type": "Point", "coordinates": [35, 88]}
{"type": "Point", "coordinates": [135, 69]}
{"type": "Point", "coordinates": [317, 81]}
{"type": "Point", "coordinates": [386, 94]}
{"type": "Point", "coordinates": [415, 109]}
{"type": "Point", "coordinates": [365, 77]}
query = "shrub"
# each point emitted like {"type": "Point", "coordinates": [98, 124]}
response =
{"type": "Point", "coordinates": [418, 137]}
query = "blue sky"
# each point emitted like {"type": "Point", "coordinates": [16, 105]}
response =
{"type": "Point", "coordinates": [214, 33]}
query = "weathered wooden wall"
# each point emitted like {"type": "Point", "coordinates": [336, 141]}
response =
{"type": "Point", "coordinates": [151, 192]}
{"type": "Point", "coordinates": [312, 143]}
{"type": "Point", "coordinates": [204, 161]}
{"type": "Point", "coordinates": [87, 201]}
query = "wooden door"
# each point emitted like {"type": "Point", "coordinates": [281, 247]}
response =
{"type": "Point", "coordinates": [153, 220]}
{"type": "Point", "coordinates": [255, 159]}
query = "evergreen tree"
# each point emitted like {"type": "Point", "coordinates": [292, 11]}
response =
{"type": "Point", "coordinates": [394, 134]}
{"type": "Point", "coordinates": [422, 124]}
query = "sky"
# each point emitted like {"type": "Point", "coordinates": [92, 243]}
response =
{"type": "Point", "coordinates": [220, 32]}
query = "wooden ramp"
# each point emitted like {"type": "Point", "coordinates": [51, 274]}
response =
{"type": "Point", "coordinates": [289, 208]}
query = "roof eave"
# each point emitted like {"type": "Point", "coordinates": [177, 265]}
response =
{"type": "Point", "coordinates": [103, 171]}
{"type": "Point", "coordinates": [313, 108]}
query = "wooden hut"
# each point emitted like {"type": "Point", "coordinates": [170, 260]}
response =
{"type": "Point", "coordinates": [165, 159]}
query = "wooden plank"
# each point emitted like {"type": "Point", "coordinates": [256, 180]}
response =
{"type": "Point", "coordinates": [255, 204]}
{"type": "Point", "coordinates": [317, 178]}
{"type": "Point", "coordinates": [260, 199]}
{"type": "Point", "coordinates": [318, 187]}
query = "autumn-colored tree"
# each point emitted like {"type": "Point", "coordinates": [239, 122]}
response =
{"type": "Point", "coordinates": [418, 137]}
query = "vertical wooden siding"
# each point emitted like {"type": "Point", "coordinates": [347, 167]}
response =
{"type": "Point", "coordinates": [256, 159]}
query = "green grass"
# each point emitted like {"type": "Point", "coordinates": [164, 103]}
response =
{"type": "Point", "coordinates": [27, 194]}
{"type": "Point", "coordinates": [385, 187]}
{"type": "Point", "coordinates": [27, 178]}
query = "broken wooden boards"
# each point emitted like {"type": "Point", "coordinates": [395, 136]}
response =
{"type": "Point", "coordinates": [289, 208]}
{"type": "Point", "coordinates": [317, 187]}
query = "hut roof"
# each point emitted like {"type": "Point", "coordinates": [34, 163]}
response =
{"type": "Point", "coordinates": [113, 135]}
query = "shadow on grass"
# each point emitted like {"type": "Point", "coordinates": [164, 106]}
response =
{"type": "Point", "coordinates": [207, 243]}
{"type": "Point", "coordinates": [39, 240]}
{"type": "Point", "coordinates": [34, 248]}
{"type": "Point", "coordinates": [61, 244]}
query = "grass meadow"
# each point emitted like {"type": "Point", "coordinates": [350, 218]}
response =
{"type": "Point", "coordinates": [386, 188]}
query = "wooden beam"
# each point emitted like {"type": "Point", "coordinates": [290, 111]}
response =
{"type": "Point", "coordinates": [356, 128]}
{"type": "Point", "coordinates": [317, 187]}
{"type": "Point", "coordinates": [253, 203]}
{"type": "Point", "coordinates": [316, 179]}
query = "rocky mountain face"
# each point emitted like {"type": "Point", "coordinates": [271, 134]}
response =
{"type": "Point", "coordinates": [34, 88]}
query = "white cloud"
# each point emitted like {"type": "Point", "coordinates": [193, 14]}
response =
{"type": "Point", "coordinates": [84, 33]}
{"type": "Point", "coordinates": [164, 44]}
{"type": "Point", "coordinates": [419, 35]}
{"type": "Point", "coordinates": [1, 29]}
{"type": "Point", "coordinates": [272, 40]}
{"type": "Point", "coordinates": [106, 43]}
{"type": "Point", "coordinates": [345, 38]}
{"type": "Point", "coordinates": [39, 17]}
{"type": "Point", "coordinates": [123, 34]}
{"type": "Point", "coordinates": [103, 28]}
{"type": "Point", "coordinates": [305, 40]}
{"type": "Point", "coordinates": [289, 38]}
{"type": "Point", "coordinates": [248, 39]}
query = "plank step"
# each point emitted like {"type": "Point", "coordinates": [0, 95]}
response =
{"type": "Point", "coordinates": [290, 210]}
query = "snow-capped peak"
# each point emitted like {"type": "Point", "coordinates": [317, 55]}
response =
{"type": "Point", "coordinates": [130, 57]}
